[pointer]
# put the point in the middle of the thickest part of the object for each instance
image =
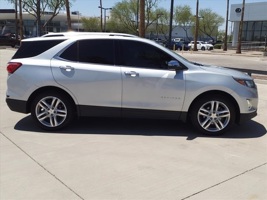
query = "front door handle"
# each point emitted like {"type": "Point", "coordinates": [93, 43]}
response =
{"type": "Point", "coordinates": [67, 68]}
{"type": "Point", "coordinates": [132, 74]}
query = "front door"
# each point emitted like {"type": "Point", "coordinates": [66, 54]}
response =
{"type": "Point", "coordinates": [147, 83]}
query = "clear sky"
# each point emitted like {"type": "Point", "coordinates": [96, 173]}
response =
{"type": "Point", "coordinates": [90, 7]}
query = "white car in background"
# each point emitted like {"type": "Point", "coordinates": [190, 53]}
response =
{"type": "Point", "coordinates": [201, 45]}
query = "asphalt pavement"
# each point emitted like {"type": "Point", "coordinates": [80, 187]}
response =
{"type": "Point", "coordinates": [110, 159]}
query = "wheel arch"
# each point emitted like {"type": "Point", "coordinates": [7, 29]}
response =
{"type": "Point", "coordinates": [216, 92]}
{"type": "Point", "coordinates": [49, 88]}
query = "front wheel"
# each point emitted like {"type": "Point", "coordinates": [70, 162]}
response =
{"type": "Point", "coordinates": [52, 110]}
{"type": "Point", "coordinates": [213, 115]}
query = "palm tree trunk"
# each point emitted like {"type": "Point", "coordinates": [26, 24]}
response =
{"type": "Point", "coordinates": [20, 20]}
{"type": "Point", "coordinates": [238, 50]}
{"type": "Point", "coordinates": [68, 14]}
{"type": "Point", "coordinates": [170, 25]}
{"type": "Point", "coordinates": [196, 28]}
{"type": "Point", "coordinates": [38, 13]}
{"type": "Point", "coordinates": [142, 19]}
{"type": "Point", "coordinates": [226, 28]}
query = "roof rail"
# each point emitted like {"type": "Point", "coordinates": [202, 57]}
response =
{"type": "Point", "coordinates": [60, 34]}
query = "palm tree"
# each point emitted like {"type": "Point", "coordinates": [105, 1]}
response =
{"type": "Point", "coordinates": [226, 28]}
{"type": "Point", "coordinates": [238, 49]}
{"type": "Point", "coordinates": [68, 14]}
{"type": "Point", "coordinates": [142, 18]}
{"type": "Point", "coordinates": [196, 27]}
{"type": "Point", "coordinates": [20, 20]}
{"type": "Point", "coordinates": [170, 26]}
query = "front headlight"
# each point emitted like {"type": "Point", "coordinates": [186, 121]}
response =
{"type": "Point", "coordinates": [248, 83]}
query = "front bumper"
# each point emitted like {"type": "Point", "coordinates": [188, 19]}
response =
{"type": "Point", "coordinates": [247, 116]}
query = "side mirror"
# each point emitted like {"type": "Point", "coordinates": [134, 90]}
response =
{"type": "Point", "coordinates": [173, 64]}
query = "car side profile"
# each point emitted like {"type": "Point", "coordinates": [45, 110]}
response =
{"type": "Point", "coordinates": [201, 45]}
{"type": "Point", "coordinates": [8, 41]}
{"type": "Point", "coordinates": [181, 46]}
{"type": "Point", "coordinates": [61, 77]}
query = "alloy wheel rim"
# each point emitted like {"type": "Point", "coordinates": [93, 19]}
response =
{"type": "Point", "coordinates": [51, 111]}
{"type": "Point", "coordinates": [214, 116]}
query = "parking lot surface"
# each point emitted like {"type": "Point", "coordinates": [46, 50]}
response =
{"type": "Point", "coordinates": [100, 158]}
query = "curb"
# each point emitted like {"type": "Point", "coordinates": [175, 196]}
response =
{"type": "Point", "coordinates": [228, 53]}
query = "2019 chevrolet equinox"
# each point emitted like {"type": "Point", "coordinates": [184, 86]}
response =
{"type": "Point", "coordinates": [59, 77]}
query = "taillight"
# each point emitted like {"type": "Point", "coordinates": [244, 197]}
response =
{"type": "Point", "coordinates": [12, 67]}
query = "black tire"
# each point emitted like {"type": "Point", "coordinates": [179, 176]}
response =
{"type": "Point", "coordinates": [203, 48]}
{"type": "Point", "coordinates": [212, 115]}
{"type": "Point", "coordinates": [52, 110]}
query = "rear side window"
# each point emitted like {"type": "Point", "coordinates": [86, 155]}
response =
{"type": "Point", "coordinates": [90, 51]}
{"type": "Point", "coordinates": [34, 48]}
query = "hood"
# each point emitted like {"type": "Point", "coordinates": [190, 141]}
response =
{"type": "Point", "coordinates": [226, 71]}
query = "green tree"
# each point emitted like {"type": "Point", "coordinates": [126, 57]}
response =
{"type": "Point", "coordinates": [127, 13]}
{"type": "Point", "coordinates": [151, 12]}
{"type": "Point", "coordinates": [183, 17]}
{"type": "Point", "coordinates": [162, 18]}
{"type": "Point", "coordinates": [209, 23]}
{"type": "Point", "coordinates": [91, 24]}
{"type": "Point", "coordinates": [117, 27]}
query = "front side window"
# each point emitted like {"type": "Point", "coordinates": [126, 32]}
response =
{"type": "Point", "coordinates": [90, 51]}
{"type": "Point", "coordinates": [142, 55]}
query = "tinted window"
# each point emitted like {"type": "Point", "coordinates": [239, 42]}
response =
{"type": "Point", "coordinates": [139, 54]}
{"type": "Point", "coordinates": [34, 48]}
{"type": "Point", "coordinates": [91, 51]}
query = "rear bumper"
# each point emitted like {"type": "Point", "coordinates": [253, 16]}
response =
{"type": "Point", "coordinates": [17, 105]}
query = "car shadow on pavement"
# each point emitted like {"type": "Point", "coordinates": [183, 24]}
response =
{"type": "Point", "coordinates": [145, 127]}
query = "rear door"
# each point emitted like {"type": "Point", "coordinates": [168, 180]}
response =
{"type": "Point", "coordinates": [86, 69]}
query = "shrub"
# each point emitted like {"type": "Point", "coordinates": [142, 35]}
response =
{"type": "Point", "coordinates": [217, 46]}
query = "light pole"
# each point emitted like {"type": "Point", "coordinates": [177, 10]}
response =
{"type": "Point", "coordinates": [265, 42]}
{"type": "Point", "coordinates": [105, 9]}
{"type": "Point", "coordinates": [78, 13]}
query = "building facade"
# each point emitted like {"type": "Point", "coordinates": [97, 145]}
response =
{"type": "Point", "coordinates": [254, 23]}
{"type": "Point", "coordinates": [58, 24]}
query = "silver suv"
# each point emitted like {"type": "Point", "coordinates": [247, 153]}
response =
{"type": "Point", "coordinates": [113, 75]}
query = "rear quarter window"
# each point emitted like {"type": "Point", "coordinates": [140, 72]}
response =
{"type": "Point", "coordinates": [33, 48]}
{"type": "Point", "coordinates": [97, 51]}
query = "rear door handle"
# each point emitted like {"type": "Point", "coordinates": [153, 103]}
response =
{"type": "Point", "coordinates": [67, 68]}
{"type": "Point", "coordinates": [132, 74]}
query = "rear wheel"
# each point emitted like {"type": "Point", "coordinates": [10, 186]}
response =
{"type": "Point", "coordinates": [213, 115]}
{"type": "Point", "coordinates": [203, 48]}
{"type": "Point", "coordinates": [52, 110]}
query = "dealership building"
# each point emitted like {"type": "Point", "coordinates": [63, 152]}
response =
{"type": "Point", "coordinates": [58, 24]}
{"type": "Point", "coordinates": [254, 22]}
